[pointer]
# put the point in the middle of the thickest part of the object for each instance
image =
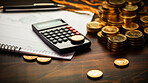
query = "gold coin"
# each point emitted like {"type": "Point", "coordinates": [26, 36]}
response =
{"type": "Point", "coordinates": [134, 34]}
{"type": "Point", "coordinates": [94, 25]}
{"type": "Point", "coordinates": [130, 26]}
{"type": "Point", "coordinates": [43, 59]}
{"type": "Point", "coordinates": [27, 57]}
{"type": "Point", "coordinates": [118, 38]}
{"type": "Point", "coordinates": [94, 73]}
{"type": "Point", "coordinates": [144, 19]}
{"type": "Point", "coordinates": [127, 17]}
{"type": "Point", "coordinates": [121, 62]}
{"type": "Point", "coordinates": [146, 30]}
{"type": "Point", "coordinates": [133, 2]}
{"type": "Point", "coordinates": [130, 8]}
{"type": "Point", "coordinates": [110, 29]}
{"type": "Point", "coordinates": [77, 38]}
{"type": "Point", "coordinates": [116, 3]}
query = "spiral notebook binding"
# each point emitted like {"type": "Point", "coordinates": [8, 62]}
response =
{"type": "Point", "coordinates": [9, 48]}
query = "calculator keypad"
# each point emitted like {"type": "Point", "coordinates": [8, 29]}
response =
{"type": "Point", "coordinates": [60, 35]}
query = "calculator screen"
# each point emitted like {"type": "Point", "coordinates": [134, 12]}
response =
{"type": "Point", "coordinates": [49, 24]}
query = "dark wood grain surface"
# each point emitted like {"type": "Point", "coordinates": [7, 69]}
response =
{"type": "Point", "coordinates": [14, 69]}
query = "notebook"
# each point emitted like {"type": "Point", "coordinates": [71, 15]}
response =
{"type": "Point", "coordinates": [16, 31]}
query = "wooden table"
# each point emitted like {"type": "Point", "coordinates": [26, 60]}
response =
{"type": "Point", "coordinates": [13, 69]}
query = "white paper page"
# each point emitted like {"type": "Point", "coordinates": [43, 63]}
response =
{"type": "Point", "coordinates": [15, 28]}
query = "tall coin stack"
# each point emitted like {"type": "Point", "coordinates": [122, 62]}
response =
{"type": "Point", "coordinates": [117, 43]}
{"type": "Point", "coordinates": [135, 38]}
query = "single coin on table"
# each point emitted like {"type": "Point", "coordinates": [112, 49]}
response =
{"type": "Point", "coordinates": [27, 57]}
{"type": "Point", "coordinates": [94, 73]}
{"type": "Point", "coordinates": [43, 59]}
{"type": "Point", "coordinates": [121, 62]}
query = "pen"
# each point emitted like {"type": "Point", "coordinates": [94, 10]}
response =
{"type": "Point", "coordinates": [34, 7]}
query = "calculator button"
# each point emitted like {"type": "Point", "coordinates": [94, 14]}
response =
{"type": "Point", "coordinates": [51, 39]}
{"type": "Point", "coordinates": [77, 33]}
{"type": "Point", "coordinates": [61, 30]}
{"type": "Point", "coordinates": [48, 36]}
{"type": "Point", "coordinates": [67, 35]}
{"type": "Point", "coordinates": [71, 29]}
{"type": "Point", "coordinates": [68, 27]}
{"type": "Point", "coordinates": [54, 41]}
{"type": "Point", "coordinates": [56, 37]}
{"type": "Point", "coordinates": [53, 35]}
{"type": "Point", "coordinates": [72, 34]}
{"type": "Point", "coordinates": [50, 33]}
{"type": "Point", "coordinates": [74, 31]}
{"type": "Point", "coordinates": [65, 39]}
{"type": "Point", "coordinates": [59, 34]}
{"type": "Point", "coordinates": [66, 30]}
{"type": "Point", "coordinates": [60, 40]}
{"type": "Point", "coordinates": [69, 38]}
{"type": "Point", "coordinates": [56, 32]}
{"type": "Point", "coordinates": [69, 32]}
{"type": "Point", "coordinates": [64, 33]}
{"type": "Point", "coordinates": [45, 34]}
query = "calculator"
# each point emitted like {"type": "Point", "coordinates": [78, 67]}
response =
{"type": "Point", "coordinates": [60, 36]}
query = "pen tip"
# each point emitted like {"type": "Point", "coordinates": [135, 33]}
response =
{"type": "Point", "coordinates": [62, 6]}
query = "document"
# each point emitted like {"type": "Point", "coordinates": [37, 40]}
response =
{"type": "Point", "coordinates": [16, 29]}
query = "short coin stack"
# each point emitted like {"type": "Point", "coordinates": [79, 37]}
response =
{"type": "Point", "coordinates": [117, 43]}
{"type": "Point", "coordinates": [146, 34]}
{"type": "Point", "coordinates": [130, 26]}
{"type": "Point", "coordinates": [135, 38]}
{"type": "Point", "coordinates": [106, 32]}
{"type": "Point", "coordinates": [144, 21]}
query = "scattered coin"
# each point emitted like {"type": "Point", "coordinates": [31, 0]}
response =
{"type": "Point", "coordinates": [94, 73]}
{"type": "Point", "coordinates": [43, 59]}
{"type": "Point", "coordinates": [121, 62]}
{"type": "Point", "coordinates": [27, 57]}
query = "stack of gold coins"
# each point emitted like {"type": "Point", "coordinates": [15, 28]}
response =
{"type": "Point", "coordinates": [129, 10]}
{"type": "Point", "coordinates": [135, 38]}
{"type": "Point", "coordinates": [107, 11]}
{"type": "Point", "coordinates": [142, 12]}
{"type": "Point", "coordinates": [144, 21]}
{"type": "Point", "coordinates": [117, 43]}
{"type": "Point", "coordinates": [118, 23]}
{"type": "Point", "coordinates": [128, 19]}
{"type": "Point", "coordinates": [146, 34]}
{"type": "Point", "coordinates": [108, 31]}
{"type": "Point", "coordinates": [129, 26]}
{"type": "Point", "coordinates": [94, 27]}
{"type": "Point", "coordinates": [101, 38]}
